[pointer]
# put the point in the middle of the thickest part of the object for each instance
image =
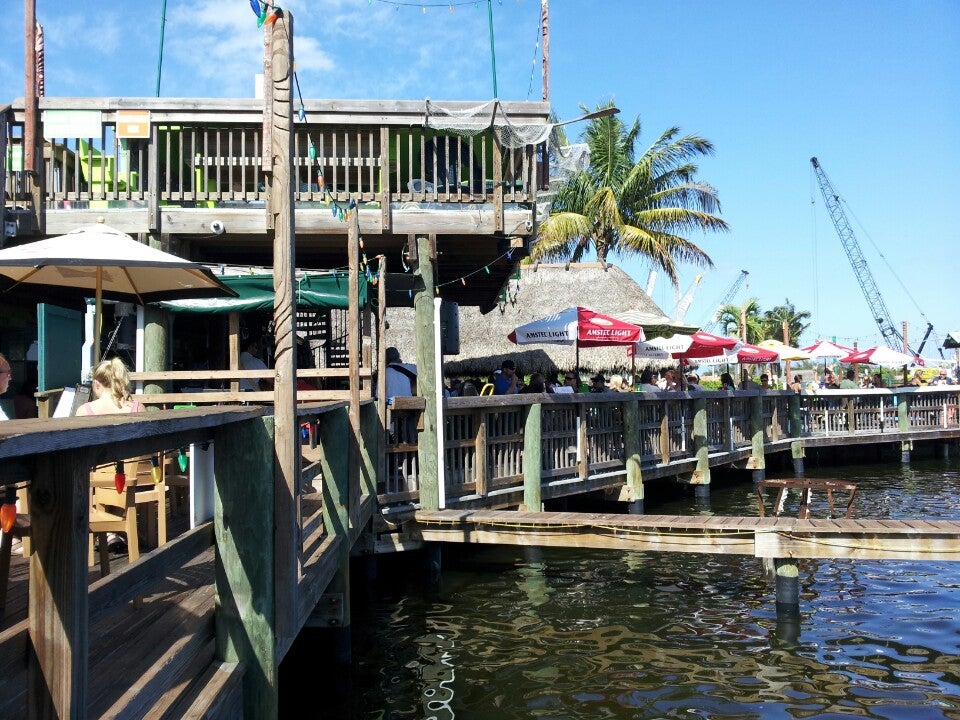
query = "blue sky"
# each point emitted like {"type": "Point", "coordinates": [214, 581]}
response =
{"type": "Point", "coordinates": [870, 88]}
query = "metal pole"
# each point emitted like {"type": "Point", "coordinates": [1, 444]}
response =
{"type": "Point", "coordinates": [493, 52]}
{"type": "Point", "coordinates": [163, 24]}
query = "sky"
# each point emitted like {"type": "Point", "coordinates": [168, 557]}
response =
{"type": "Point", "coordinates": [872, 89]}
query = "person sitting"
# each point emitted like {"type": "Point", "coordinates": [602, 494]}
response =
{"type": "Point", "coordinates": [250, 360]}
{"type": "Point", "coordinates": [748, 383]}
{"type": "Point", "coordinates": [726, 382]}
{"type": "Point", "coordinates": [401, 376]}
{"type": "Point", "coordinates": [849, 382]}
{"type": "Point", "coordinates": [765, 382]}
{"type": "Point", "coordinates": [693, 383]}
{"type": "Point", "coordinates": [552, 381]}
{"type": "Point", "coordinates": [572, 381]}
{"type": "Point", "coordinates": [598, 383]}
{"type": "Point", "coordinates": [877, 381]}
{"type": "Point", "coordinates": [797, 384]}
{"type": "Point", "coordinates": [942, 378]}
{"type": "Point", "coordinates": [506, 382]}
{"type": "Point", "coordinates": [111, 391]}
{"type": "Point", "coordinates": [670, 381]}
{"type": "Point", "coordinates": [615, 382]}
{"type": "Point", "coordinates": [536, 384]}
{"type": "Point", "coordinates": [830, 381]}
{"type": "Point", "coordinates": [646, 382]}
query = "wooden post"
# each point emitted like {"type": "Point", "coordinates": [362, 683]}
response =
{"type": "Point", "coordinates": [757, 462]}
{"type": "Point", "coordinates": [787, 587]}
{"type": "Point", "coordinates": [480, 453]}
{"type": "Point", "coordinates": [665, 433]}
{"type": "Point", "coordinates": [233, 331]}
{"type": "Point", "coordinates": [353, 353]}
{"type": "Point", "coordinates": [245, 567]}
{"type": "Point", "coordinates": [155, 337]}
{"type": "Point", "coordinates": [333, 428]}
{"type": "Point", "coordinates": [796, 430]}
{"type": "Point", "coordinates": [58, 600]}
{"type": "Point", "coordinates": [632, 492]}
{"type": "Point", "coordinates": [583, 441]}
{"type": "Point", "coordinates": [903, 424]}
{"type": "Point", "coordinates": [532, 459]}
{"type": "Point", "coordinates": [281, 219]}
{"type": "Point", "coordinates": [701, 476]}
{"type": "Point", "coordinates": [426, 376]}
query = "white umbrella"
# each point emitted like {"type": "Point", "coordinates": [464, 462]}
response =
{"type": "Point", "coordinates": [882, 356]}
{"type": "Point", "coordinates": [101, 262]}
{"type": "Point", "coordinates": [784, 352]}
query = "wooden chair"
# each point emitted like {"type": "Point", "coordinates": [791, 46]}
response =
{"type": "Point", "coordinates": [114, 512]}
{"type": "Point", "coordinates": [20, 531]}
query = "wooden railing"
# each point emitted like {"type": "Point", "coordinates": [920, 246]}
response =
{"type": "Point", "coordinates": [202, 153]}
{"type": "Point", "coordinates": [276, 554]}
{"type": "Point", "coordinates": [584, 435]}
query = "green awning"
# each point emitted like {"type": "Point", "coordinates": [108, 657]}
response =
{"type": "Point", "coordinates": [952, 340]}
{"type": "Point", "coordinates": [255, 292]}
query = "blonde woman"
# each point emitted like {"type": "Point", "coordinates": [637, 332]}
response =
{"type": "Point", "coordinates": [111, 391]}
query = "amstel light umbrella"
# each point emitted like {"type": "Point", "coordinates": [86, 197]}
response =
{"type": "Point", "coordinates": [785, 353]}
{"type": "Point", "coordinates": [882, 356]}
{"type": "Point", "coordinates": [578, 326]}
{"type": "Point", "coordinates": [100, 262]}
{"type": "Point", "coordinates": [741, 354]}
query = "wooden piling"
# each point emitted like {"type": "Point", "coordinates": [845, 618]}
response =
{"type": "Point", "coordinates": [532, 457]}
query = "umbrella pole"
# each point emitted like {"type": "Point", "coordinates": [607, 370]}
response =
{"type": "Point", "coordinates": [98, 317]}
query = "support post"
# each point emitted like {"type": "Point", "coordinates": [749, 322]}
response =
{"type": "Point", "coordinates": [757, 462]}
{"type": "Point", "coordinates": [532, 459]}
{"type": "Point", "coordinates": [701, 449]}
{"type": "Point", "coordinates": [334, 463]}
{"type": "Point", "coordinates": [903, 425]}
{"type": "Point", "coordinates": [787, 587]}
{"type": "Point", "coordinates": [632, 492]}
{"type": "Point", "coordinates": [796, 430]}
{"type": "Point", "coordinates": [426, 375]}
{"type": "Point", "coordinates": [244, 570]}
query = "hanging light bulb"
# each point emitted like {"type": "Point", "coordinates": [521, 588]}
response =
{"type": "Point", "coordinates": [272, 17]}
{"type": "Point", "coordinates": [155, 469]}
{"type": "Point", "coordinates": [255, 6]}
{"type": "Point", "coordinates": [262, 18]}
{"type": "Point", "coordinates": [182, 459]}
{"type": "Point", "coordinates": [312, 151]}
{"type": "Point", "coordinates": [8, 511]}
{"type": "Point", "coordinates": [302, 114]}
{"type": "Point", "coordinates": [119, 477]}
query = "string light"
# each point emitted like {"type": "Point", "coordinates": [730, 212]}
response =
{"type": "Point", "coordinates": [182, 459]}
{"type": "Point", "coordinates": [119, 477]}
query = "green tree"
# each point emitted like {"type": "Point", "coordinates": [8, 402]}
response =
{"type": "Point", "coordinates": [633, 206]}
{"type": "Point", "coordinates": [729, 317]}
{"type": "Point", "coordinates": [796, 322]}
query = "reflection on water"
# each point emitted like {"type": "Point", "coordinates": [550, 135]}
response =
{"type": "Point", "coordinates": [556, 634]}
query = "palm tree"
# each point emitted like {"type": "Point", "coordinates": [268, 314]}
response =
{"type": "Point", "coordinates": [730, 316]}
{"type": "Point", "coordinates": [631, 206]}
{"type": "Point", "coordinates": [795, 319]}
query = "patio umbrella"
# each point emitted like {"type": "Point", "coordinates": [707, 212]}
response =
{"type": "Point", "coordinates": [883, 356]}
{"type": "Point", "coordinates": [826, 349]}
{"type": "Point", "coordinates": [741, 354]}
{"type": "Point", "coordinates": [100, 262]}
{"type": "Point", "coordinates": [786, 353]}
{"type": "Point", "coordinates": [578, 326]}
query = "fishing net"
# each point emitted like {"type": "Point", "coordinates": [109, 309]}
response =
{"type": "Point", "coordinates": [469, 122]}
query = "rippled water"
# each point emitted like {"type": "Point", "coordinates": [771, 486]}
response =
{"type": "Point", "coordinates": [530, 633]}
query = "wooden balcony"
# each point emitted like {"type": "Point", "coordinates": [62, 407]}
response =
{"type": "Point", "coordinates": [200, 175]}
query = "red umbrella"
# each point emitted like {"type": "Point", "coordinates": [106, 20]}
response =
{"type": "Point", "coordinates": [578, 326]}
{"type": "Point", "coordinates": [704, 344]}
{"type": "Point", "coordinates": [881, 355]}
{"type": "Point", "coordinates": [756, 355]}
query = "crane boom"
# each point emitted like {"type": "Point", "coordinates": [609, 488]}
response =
{"type": "Point", "coordinates": [891, 336]}
{"type": "Point", "coordinates": [725, 300]}
{"type": "Point", "coordinates": [680, 310]}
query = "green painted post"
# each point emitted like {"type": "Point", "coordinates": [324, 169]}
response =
{"type": "Point", "coordinates": [903, 425]}
{"type": "Point", "coordinates": [370, 434]}
{"type": "Point", "coordinates": [633, 490]}
{"type": "Point", "coordinates": [334, 463]}
{"type": "Point", "coordinates": [796, 430]}
{"type": "Point", "coordinates": [701, 476]}
{"type": "Point", "coordinates": [532, 460]}
{"type": "Point", "coordinates": [757, 462]}
{"type": "Point", "coordinates": [244, 571]}
{"type": "Point", "coordinates": [426, 377]}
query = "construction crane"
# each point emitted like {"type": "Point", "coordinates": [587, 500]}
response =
{"type": "Point", "coordinates": [891, 336]}
{"type": "Point", "coordinates": [682, 305]}
{"type": "Point", "coordinates": [725, 300]}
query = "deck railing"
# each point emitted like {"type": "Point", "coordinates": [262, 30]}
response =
{"type": "Point", "coordinates": [204, 153]}
{"type": "Point", "coordinates": [584, 435]}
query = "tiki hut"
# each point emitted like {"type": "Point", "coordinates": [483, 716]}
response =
{"type": "Point", "coordinates": [542, 290]}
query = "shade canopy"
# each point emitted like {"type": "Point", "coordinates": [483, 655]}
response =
{"type": "Point", "coordinates": [254, 292]}
{"type": "Point", "coordinates": [741, 354]}
{"type": "Point", "coordinates": [784, 352]}
{"type": "Point", "coordinates": [700, 345]}
{"type": "Point", "coordinates": [100, 262]}
{"type": "Point", "coordinates": [883, 356]}
{"type": "Point", "coordinates": [827, 349]}
{"type": "Point", "coordinates": [952, 340]}
{"type": "Point", "coordinates": [578, 326]}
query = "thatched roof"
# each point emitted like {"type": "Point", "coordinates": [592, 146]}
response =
{"type": "Point", "coordinates": [543, 290]}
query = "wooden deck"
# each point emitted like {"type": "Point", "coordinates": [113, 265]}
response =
{"type": "Point", "coordinates": [773, 537]}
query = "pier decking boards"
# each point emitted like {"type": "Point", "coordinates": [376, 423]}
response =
{"type": "Point", "coordinates": [773, 537]}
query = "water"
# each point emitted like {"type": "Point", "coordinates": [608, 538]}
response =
{"type": "Point", "coordinates": [557, 634]}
